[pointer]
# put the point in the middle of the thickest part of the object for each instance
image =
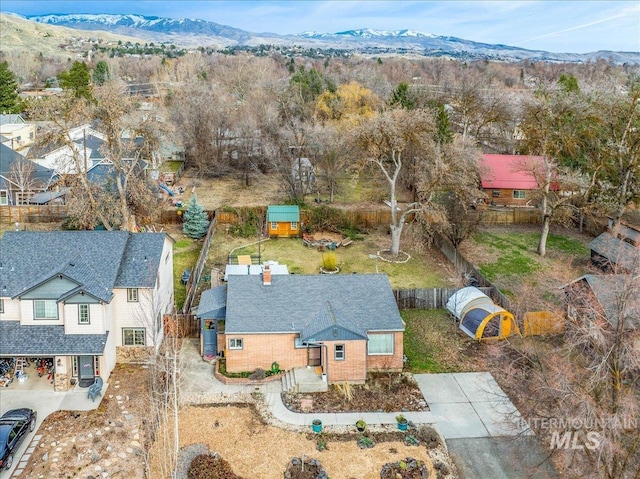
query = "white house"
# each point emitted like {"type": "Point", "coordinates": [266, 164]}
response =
{"type": "Point", "coordinates": [85, 299]}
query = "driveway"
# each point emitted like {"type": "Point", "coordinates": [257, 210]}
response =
{"type": "Point", "coordinates": [45, 402]}
{"type": "Point", "coordinates": [485, 434]}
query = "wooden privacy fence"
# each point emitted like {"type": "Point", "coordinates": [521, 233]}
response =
{"type": "Point", "coordinates": [429, 298]}
{"type": "Point", "coordinates": [181, 326]}
{"type": "Point", "coordinates": [32, 214]}
{"type": "Point", "coordinates": [194, 278]}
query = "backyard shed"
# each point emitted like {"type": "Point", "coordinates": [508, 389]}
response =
{"type": "Point", "coordinates": [479, 317]}
{"type": "Point", "coordinates": [283, 221]}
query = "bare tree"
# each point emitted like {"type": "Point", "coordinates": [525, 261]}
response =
{"type": "Point", "coordinates": [21, 174]}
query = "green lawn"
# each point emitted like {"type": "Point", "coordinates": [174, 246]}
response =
{"type": "Point", "coordinates": [421, 271]}
{"type": "Point", "coordinates": [516, 252]}
{"type": "Point", "coordinates": [185, 255]}
{"type": "Point", "coordinates": [433, 344]}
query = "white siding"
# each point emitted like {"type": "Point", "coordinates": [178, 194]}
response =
{"type": "Point", "coordinates": [96, 318]}
{"type": "Point", "coordinates": [26, 315]}
{"type": "Point", "coordinates": [11, 310]}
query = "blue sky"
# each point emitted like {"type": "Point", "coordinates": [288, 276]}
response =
{"type": "Point", "coordinates": [557, 26]}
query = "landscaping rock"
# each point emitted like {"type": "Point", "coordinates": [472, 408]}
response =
{"type": "Point", "coordinates": [305, 468]}
{"type": "Point", "coordinates": [409, 468]}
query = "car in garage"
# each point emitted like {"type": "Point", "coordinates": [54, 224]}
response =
{"type": "Point", "coordinates": [14, 427]}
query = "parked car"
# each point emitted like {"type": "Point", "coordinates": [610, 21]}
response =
{"type": "Point", "coordinates": [14, 426]}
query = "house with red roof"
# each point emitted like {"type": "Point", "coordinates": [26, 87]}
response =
{"type": "Point", "coordinates": [510, 180]}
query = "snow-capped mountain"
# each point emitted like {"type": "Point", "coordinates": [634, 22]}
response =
{"type": "Point", "coordinates": [196, 32]}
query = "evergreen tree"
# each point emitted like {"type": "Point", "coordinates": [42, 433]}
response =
{"type": "Point", "coordinates": [101, 73]}
{"type": "Point", "coordinates": [9, 100]}
{"type": "Point", "coordinates": [401, 97]}
{"type": "Point", "coordinates": [77, 79]}
{"type": "Point", "coordinates": [196, 221]}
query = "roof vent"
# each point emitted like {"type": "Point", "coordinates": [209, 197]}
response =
{"type": "Point", "coordinates": [266, 276]}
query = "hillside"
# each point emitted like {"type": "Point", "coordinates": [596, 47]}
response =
{"type": "Point", "coordinates": [21, 35]}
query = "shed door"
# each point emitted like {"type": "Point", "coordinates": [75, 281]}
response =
{"type": "Point", "coordinates": [210, 337]}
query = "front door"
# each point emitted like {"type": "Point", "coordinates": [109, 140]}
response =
{"type": "Point", "coordinates": [86, 372]}
{"type": "Point", "coordinates": [313, 356]}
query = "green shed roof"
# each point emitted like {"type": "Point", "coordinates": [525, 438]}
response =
{"type": "Point", "coordinates": [283, 213]}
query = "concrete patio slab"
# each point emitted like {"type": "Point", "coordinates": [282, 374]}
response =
{"type": "Point", "coordinates": [455, 420]}
{"type": "Point", "coordinates": [501, 418]}
{"type": "Point", "coordinates": [480, 387]}
{"type": "Point", "coordinates": [440, 388]}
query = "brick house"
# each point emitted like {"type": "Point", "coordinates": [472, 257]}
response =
{"type": "Point", "coordinates": [84, 299]}
{"type": "Point", "coordinates": [345, 325]}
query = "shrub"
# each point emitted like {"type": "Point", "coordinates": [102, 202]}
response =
{"type": "Point", "coordinates": [329, 261]}
{"type": "Point", "coordinates": [258, 374]}
{"type": "Point", "coordinates": [210, 467]}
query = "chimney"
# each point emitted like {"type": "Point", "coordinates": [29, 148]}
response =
{"type": "Point", "coordinates": [266, 275]}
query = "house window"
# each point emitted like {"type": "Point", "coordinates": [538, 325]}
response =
{"type": "Point", "coordinates": [132, 295]}
{"type": "Point", "coordinates": [519, 194]}
{"type": "Point", "coordinates": [83, 314]}
{"type": "Point", "coordinates": [380, 344]}
{"type": "Point", "coordinates": [133, 336]}
{"type": "Point", "coordinates": [235, 343]}
{"type": "Point", "coordinates": [274, 225]}
{"type": "Point", "coordinates": [1, 305]}
{"type": "Point", "coordinates": [4, 197]}
{"type": "Point", "coordinates": [294, 225]}
{"type": "Point", "coordinates": [166, 259]}
{"type": "Point", "coordinates": [74, 366]}
{"type": "Point", "coordinates": [45, 309]}
{"type": "Point", "coordinates": [495, 193]}
{"type": "Point", "coordinates": [338, 352]}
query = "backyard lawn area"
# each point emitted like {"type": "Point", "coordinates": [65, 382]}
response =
{"type": "Point", "coordinates": [507, 257]}
{"type": "Point", "coordinates": [425, 269]}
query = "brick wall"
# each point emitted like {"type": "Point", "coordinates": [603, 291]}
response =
{"type": "Point", "coordinates": [386, 363]}
{"type": "Point", "coordinates": [354, 366]}
{"type": "Point", "coordinates": [261, 350]}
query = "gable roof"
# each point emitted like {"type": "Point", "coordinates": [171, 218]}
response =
{"type": "Point", "coordinates": [40, 175]}
{"type": "Point", "coordinates": [283, 213]}
{"type": "Point", "coordinates": [612, 292]}
{"type": "Point", "coordinates": [11, 119]}
{"type": "Point", "coordinates": [617, 251]}
{"type": "Point", "coordinates": [295, 303]}
{"type": "Point", "coordinates": [98, 261]}
{"type": "Point", "coordinates": [213, 303]}
{"type": "Point", "coordinates": [509, 171]}
{"type": "Point", "coordinates": [332, 324]}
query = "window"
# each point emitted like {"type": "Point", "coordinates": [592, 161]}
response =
{"type": "Point", "coordinates": [1, 305]}
{"type": "Point", "coordinates": [495, 193]}
{"type": "Point", "coordinates": [4, 197]}
{"type": "Point", "coordinates": [132, 295]}
{"type": "Point", "coordinates": [133, 336]}
{"type": "Point", "coordinates": [83, 314]}
{"type": "Point", "coordinates": [166, 259]}
{"type": "Point", "coordinates": [519, 194]}
{"type": "Point", "coordinates": [45, 309]}
{"type": "Point", "coordinates": [274, 225]}
{"type": "Point", "coordinates": [338, 352]}
{"type": "Point", "coordinates": [235, 343]}
{"type": "Point", "coordinates": [294, 225]}
{"type": "Point", "coordinates": [380, 344]}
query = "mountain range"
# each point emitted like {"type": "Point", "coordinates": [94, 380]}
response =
{"type": "Point", "coordinates": [195, 32]}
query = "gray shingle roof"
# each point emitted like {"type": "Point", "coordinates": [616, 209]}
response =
{"type": "Point", "coordinates": [332, 324]}
{"type": "Point", "coordinates": [40, 175]}
{"type": "Point", "coordinates": [37, 340]}
{"type": "Point", "coordinates": [612, 292]}
{"type": "Point", "coordinates": [213, 303]}
{"type": "Point", "coordinates": [99, 261]}
{"type": "Point", "coordinates": [362, 302]}
{"type": "Point", "coordinates": [618, 252]}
